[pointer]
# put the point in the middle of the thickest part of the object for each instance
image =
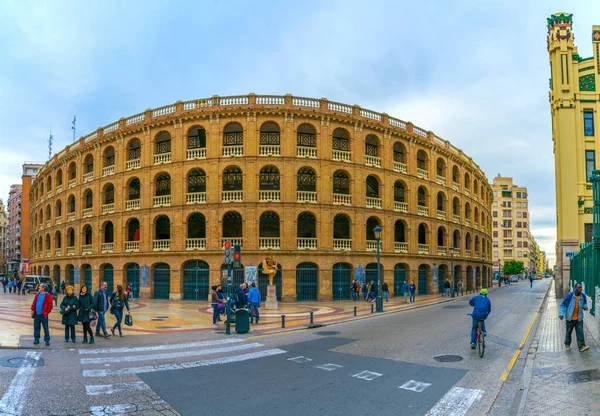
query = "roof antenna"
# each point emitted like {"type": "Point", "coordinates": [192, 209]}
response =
{"type": "Point", "coordinates": [73, 128]}
{"type": "Point", "coordinates": [50, 145]}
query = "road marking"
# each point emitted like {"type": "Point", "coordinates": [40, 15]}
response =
{"type": "Point", "coordinates": [415, 386]}
{"type": "Point", "coordinates": [328, 367]}
{"type": "Point", "coordinates": [99, 389]}
{"type": "Point", "coordinates": [456, 402]}
{"type": "Point", "coordinates": [180, 366]}
{"type": "Point", "coordinates": [160, 347]}
{"type": "Point", "coordinates": [367, 375]}
{"type": "Point", "coordinates": [300, 360]}
{"type": "Point", "coordinates": [166, 356]}
{"type": "Point", "coordinates": [14, 399]}
{"type": "Point", "coordinates": [121, 409]}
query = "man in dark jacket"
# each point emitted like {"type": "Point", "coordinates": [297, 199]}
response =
{"type": "Point", "coordinates": [412, 289]}
{"type": "Point", "coordinates": [447, 287]}
{"type": "Point", "coordinates": [482, 307]}
{"type": "Point", "coordinates": [101, 305]}
{"type": "Point", "coordinates": [241, 299]}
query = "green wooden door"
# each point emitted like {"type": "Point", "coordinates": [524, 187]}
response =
{"type": "Point", "coordinates": [108, 276]}
{"type": "Point", "coordinates": [162, 281]}
{"type": "Point", "coordinates": [87, 276]}
{"type": "Point", "coordinates": [422, 281]}
{"type": "Point", "coordinates": [340, 281]}
{"type": "Point", "coordinates": [133, 278]}
{"type": "Point", "coordinates": [307, 282]}
{"type": "Point", "coordinates": [195, 281]}
{"type": "Point", "coordinates": [399, 278]}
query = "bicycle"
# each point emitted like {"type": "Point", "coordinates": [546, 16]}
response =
{"type": "Point", "coordinates": [480, 338]}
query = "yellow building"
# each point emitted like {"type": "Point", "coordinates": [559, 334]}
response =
{"type": "Point", "coordinates": [574, 106]}
{"type": "Point", "coordinates": [150, 199]}
{"type": "Point", "coordinates": [542, 262]}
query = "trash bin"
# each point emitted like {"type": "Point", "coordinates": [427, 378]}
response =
{"type": "Point", "coordinates": [242, 321]}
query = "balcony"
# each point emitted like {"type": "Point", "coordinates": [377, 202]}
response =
{"type": "Point", "coordinates": [162, 201]}
{"type": "Point", "coordinates": [57, 252]}
{"type": "Point", "coordinates": [422, 173]}
{"type": "Point", "coordinates": [70, 216]}
{"type": "Point", "coordinates": [424, 211]}
{"type": "Point", "coordinates": [86, 249]}
{"type": "Point", "coordinates": [132, 246]}
{"type": "Point", "coordinates": [341, 156]}
{"type": "Point", "coordinates": [442, 251]}
{"type": "Point", "coordinates": [133, 164]}
{"type": "Point", "coordinates": [475, 197]}
{"type": "Point", "coordinates": [196, 154]}
{"type": "Point", "coordinates": [87, 177]}
{"type": "Point", "coordinates": [423, 249]}
{"type": "Point", "coordinates": [307, 243]}
{"type": "Point", "coordinates": [304, 151]}
{"type": "Point", "coordinates": [232, 240]}
{"type": "Point", "coordinates": [342, 244]}
{"type": "Point", "coordinates": [371, 245]}
{"type": "Point", "coordinates": [233, 151]}
{"type": "Point", "coordinates": [401, 247]}
{"type": "Point", "coordinates": [161, 245]}
{"type": "Point", "coordinates": [47, 253]}
{"type": "Point", "coordinates": [476, 226]}
{"type": "Point", "coordinates": [467, 222]}
{"type": "Point", "coordinates": [269, 150]}
{"type": "Point", "coordinates": [306, 196]}
{"type": "Point", "coordinates": [107, 247]}
{"type": "Point", "coordinates": [268, 196]}
{"type": "Point", "coordinates": [400, 167]}
{"type": "Point", "coordinates": [58, 189]}
{"type": "Point", "coordinates": [48, 223]}
{"type": "Point", "coordinates": [342, 199]}
{"type": "Point", "coordinates": [440, 180]}
{"type": "Point", "coordinates": [268, 243]}
{"type": "Point", "coordinates": [373, 161]}
{"type": "Point", "coordinates": [374, 202]}
{"type": "Point", "coordinates": [57, 221]}
{"type": "Point", "coordinates": [132, 204]}
{"type": "Point", "coordinates": [72, 183]}
{"type": "Point", "coordinates": [468, 253]}
{"type": "Point", "coordinates": [467, 192]}
{"type": "Point", "coordinates": [161, 158]}
{"type": "Point", "coordinates": [110, 208]}
{"type": "Point", "coordinates": [232, 196]}
{"type": "Point", "coordinates": [455, 186]}
{"type": "Point", "coordinates": [108, 170]}
{"type": "Point", "coordinates": [441, 215]}
{"type": "Point", "coordinates": [456, 218]}
{"type": "Point", "coordinates": [87, 212]}
{"type": "Point", "coordinates": [49, 195]}
{"type": "Point", "coordinates": [195, 198]}
{"type": "Point", "coordinates": [195, 244]}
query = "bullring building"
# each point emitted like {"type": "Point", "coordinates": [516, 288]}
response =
{"type": "Point", "coordinates": [150, 199]}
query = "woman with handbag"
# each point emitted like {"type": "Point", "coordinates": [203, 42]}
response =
{"type": "Point", "coordinates": [118, 301]}
{"type": "Point", "coordinates": [68, 310]}
{"type": "Point", "coordinates": [85, 307]}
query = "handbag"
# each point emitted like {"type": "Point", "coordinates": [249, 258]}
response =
{"type": "Point", "coordinates": [128, 320]}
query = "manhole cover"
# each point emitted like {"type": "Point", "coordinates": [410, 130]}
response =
{"type": "Point", "coordinates": [20, 362]}
{"type": "Point", "coordinates": [167, 327]}
{"type": "Point", "coordinates": [162, 317]}
{"type": "Point", "coordinates": [448, 358]}
{"type": "Point", "coordinates": [327, 333]}
{"type": "Point", "coordinates": [157, 319]}
{"type": "Point", "coordinates": [455, 306]}
{"type": "Point", "coordinates": [584, 376]}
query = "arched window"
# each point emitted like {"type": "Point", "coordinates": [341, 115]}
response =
{"type": "Point", "coordinates": [341, 183]}
{"type": "Point", "coordinates": [196, 181]}
{"type": "Point", "coordinates": [399, 192]}
{"type": "Point", "coordinates": [441, 238]}
{"type": "Point", "coordinates": [57, 240]}
{"type": "Point", "coordinates": [372, 150]}
{"type": "Point", "coordinates": [468, 211]}
{"type": "Point", "coordinates": [269, 138]}
{"type": "Point", "coordinates": [59, 178]}
{"type": "Point", "coordinates": [455, 175]}
{"type": "Point", "coordinates": [88, 199]}
{"type": "Point", "coordinates": [372, 190]}
{"type": "Point", "coordinates": [49, 184]}
{"type": "Point", "coordinates": [47, 242]}
{"type": "Point", "coordinates": [441, 170]}
{"type": "Point", "coordinates": [72, 173]}
{"type": "Point", "coordinates": [232, 225]}
{"type": "Point", "coordinates": [108, 167]}
{"type": "Point", "coordinates": [306, 180]}
{"type": "Point", "coordinates": [196, 226]}
{"type": "Point", "coordinates": [162, 228]}
{"type": "Point", "coordinates": [341, 227]}
{"type": "Point", "coordinates": [163, 143]}
{"type": "Point", "coordinates": [109, 194]}
{"type": "Point", "coordinates": [441, 202]}
{"type": "Point", "coordinates": [233, 179]}
{"type": "Point", "coordinates": [456, 208]}
{"type": "Point", "coordinates": [456, 240]}
{"type": "Point", "coordinates": [399, 157]}
{"type": "Point", "coordinates": [87, 235]}
{"type": "Point", "coordinates": [307, 228]}
{"type": "Point", "coordinates": [71, 237]}
{"type": "Point", "coordinates": [269, 230]}
{"type": "Point", "coordinates": [341, 144]}
{"type": "Point", "coordinates": [109, 232]}
{"type": "Point", "coordinates": [134, 190]}
{"type": "Point", "coordinates": [306, 141]}
{"type": "Point", "coordinates": [269, 179]}
{"type": "Point", "coordinates": [71, 203]}
{"type": "Point", "coordinates": [468, 241]}
{"type": "Point", "coordinates": [133, 230]}
{"type": "Point", "coordinates": [399, 232]}
{"type": "Point", "coordinates": [88, 164]}
{"type": "Point", "coordinates": [48, 213]}
{"type": "Point", "coordinates": [134, 153]}
{"type": "Point", "coordinates": [233, 140]}
{"type": "Point", "coordinates": [467, 183]}
{"type": "Point", "coordinates": [422, 196]}
{"type": "Point", "coordinates": [372, 222]}
{"type": "Point", "coordinates": [422, 163]}
{"type": "Point", "coordinates": [196, 140]}
{"type": "Point", "coordinates": [422, 237]}
{"type": "Point", "coordinates": [163, 184]}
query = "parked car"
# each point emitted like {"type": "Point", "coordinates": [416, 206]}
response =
{"type": "Point", "coordinates": [514, 278]}
{"type": "Point", "coordinates": [31, 282]}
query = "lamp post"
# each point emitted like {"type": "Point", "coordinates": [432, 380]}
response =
{"type": "Point", "coordinates": [482, 266]}
{"type": "Point", "coordinates": [452, 269]}
{"type": "Point", "coordinates": [499, 273]}
{"type": "Point", "coordinates": [379, 301]}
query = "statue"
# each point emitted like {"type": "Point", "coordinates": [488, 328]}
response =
{"type": "Point", "coordinates": [270, 268]}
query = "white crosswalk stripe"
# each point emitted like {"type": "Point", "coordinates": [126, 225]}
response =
{"type": "Point", "coordinates": [100, 389]}
{"type": "Point", "coordinates": [13, 401]}
{"type": "Point", "coordinates": [118, 350]}
{"type": "Point", "coordinates": [456, 402]}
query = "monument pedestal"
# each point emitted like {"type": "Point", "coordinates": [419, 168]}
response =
{"type": "Point", "coordinates": [271, 302]}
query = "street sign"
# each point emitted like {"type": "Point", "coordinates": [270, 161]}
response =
{"type": "Point", "coordinates": [569, 254]}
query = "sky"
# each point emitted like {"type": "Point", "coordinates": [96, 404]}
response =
{"type": "Point", "coordinates": [474, 72]}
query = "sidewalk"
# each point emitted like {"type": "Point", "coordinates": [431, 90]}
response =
{"type": "Point", "coordinates": [155, 317]}
{"type": "Point", "coordinates": [557, 382]}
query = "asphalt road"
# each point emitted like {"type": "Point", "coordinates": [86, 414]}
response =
{"type": "Point", "coordinates": [381, 365]}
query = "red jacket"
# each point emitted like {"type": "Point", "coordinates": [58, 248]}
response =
{"type": "Point", "coordinates": [46, 307]}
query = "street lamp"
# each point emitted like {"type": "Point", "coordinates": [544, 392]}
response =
{"type": "Point", "coordinates": [482, 266]}
{"type": "Point", "coordinates": [452, 269]}
{"type": "Point", "coordinates": [499, 273]}
{"type": "Point", "coordinates": [377, 234]}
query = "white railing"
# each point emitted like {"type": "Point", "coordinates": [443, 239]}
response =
{"type": "Point", "coordinates": [455, 218]}
{"type": "Point", "coordinates": [108, 208]}
{"type": "Point", "coordinates": [88, 138]}
{"type": "Point", "coordinates": [342, 108]}
{"type": "Point", "coordinates": [232, 240]}
{"type": "Point", "coordinates": [47, 253]}
{"type": "Point", "coordinates": [442, 251]}
{"type": "Point", "coordinates": [423, 210]}
{"type": "Point", "coordinates": [455, 186]}
{"type": "Point", "coordinates": [110, 128]}
{"type": "Point", "coordinates": [342, 244]}
{"type": "Point", "coordinates": [202, 103]}
{"type": "Point", "coordinates": [162, 158]}
{"type": "Point", "coordinates": [132, 204]}
{"type": "Point", "coordinates": [57, 221]}
{"type": "Point", "coordinates": [400, 206]}
{"type": "Point", "coordinates": [162, 201]}
{"type": "Point", "coordinates": [372, 161]}
{"type": "Point", "coordinates": [232, 196]}
{"type": "Point", "coordinates": [306, 102]}
{"type": "Point", "coordinates": [72, 183]}
{"type": "Point", "coordinates": [422, 173]}
{"type": "Point", "coordinates": [107, 247]}
{"type": "Point", "coordinates": [88, 177]}
{"type": "Point", "coordinates": [86, 249]}
{"type": "Point", "coordinates": [440, 179]}
{"type": "Point", "coordinates": [135, 119]}
{"type": "Point", "coordinates": [195, 244]}
{"type": "Point", "coordinates": [235, 100]}
{"type": "Point", "coordinates": [306, 196]}
{"type": "Point", "coordinates": [233, 151]}
{"type": "Point", "coordinates": [71, 216]}
{"type": "Point", "coordinates": [475, 197]}
{"type": "Point", "coordinates": [268, 196]}
{"type": "Point", "coordinates": [305, 151]}
{"type": "Point", "coordinates": [342, 199]}
{"type": "Point", "coordinates": [195, 198]}
{"type": "Point", "coordinates": [441, 215]}
{"type": "Point", "coordinates": [397, 123]}
{"type": "Point", "coordinates": [400, 247]}
{"type": "Point", "coordinates": [373, 202]}
{"type": "Point", "coordinates": [400, 167]}
{"type": "Point", "coordinates": [58, 189]}
{"type": "Point", "coordinates": [476, 226]}
{"type": "Point", "coordinates": [269, 100]}
{"type": "Point", "coordinates": [108, 170]}
{"type": "Point", "coordinates": [133, 164]}
{"type": "Point", "coordinates": [199, 153]}
{"type": "Point", "coordinates": [268, 243]}
{"type": "Point", "coordinates": [132, 246]}
{"type": "Point", "coordinates": [87, 212]}
{"type": "Point", "coordinates": [467, 192]}
{"type": "Point", "coordinates": [163, 111]}
{"type": "Point", "coordinates": [341, 155]}
{"type": "Point", "coordinates": [468, 253]}
{"type": "Point", "coordinates": [371, 245]}
{"type": "Point", "coordinates": [49, 223]}
{"type": "Point", "coordinates": [57, 252]}
{"type": "Point", "coordinates": [419, 131]}
{"type": "Point", "coordinates": [467, 222]}
{"type": "Point", "coordinates": [423, 249]}
{"type": "Point", "coordinates": [161, 245]}
{"type": "Point", "coordinates": [307, 243]}
{"type": "Point", "coordinates": [370, 114]}
{"type": "Point", "coordinates": [269, 150]}
{"type": "Point", "coordinates": [70, 251]}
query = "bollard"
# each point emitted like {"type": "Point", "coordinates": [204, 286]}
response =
{"type": "Point", "coordinates": [283, 321]}
{"type": "Point", "coordinates": [371, 308]}
{"type": "Point", "coordinates": [311, 318]}
{"type": "Point", "coordinates": [355, 311]}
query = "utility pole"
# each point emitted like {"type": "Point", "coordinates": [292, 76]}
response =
{"type": "Point", "coordinates": [73, 127]}
{"type": "Point", "coordinates": [50, 145]}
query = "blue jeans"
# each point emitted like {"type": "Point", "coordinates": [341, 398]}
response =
{"type": "Point", "coordinates": [254, 307]}
{"type": "Point", "coordinates": [70, 329]}
{"type": "Point", "coordinates": [474, 330]}
{"type": "Point", "coordinates": [101, 323]}
{"type": "Point", "coordinates": [412, 297]}
{"type": "Point", "coordinates": [385, 295]}
{"type": "Point", "coordinates": [447, 290]}
{"type": "Point", "coordinates": [37, 321]}
{"type": "Point", "coordinates": [215, 307]}
{"type": "Point", "coordinates": [119, 316]}
{"type": "Point", "coordinates": [354, 295]}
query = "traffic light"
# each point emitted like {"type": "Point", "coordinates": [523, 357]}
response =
{"type": "Point", "coordinates": [227, 248]}
{"type": "Point", "coordinates": [237, 256]}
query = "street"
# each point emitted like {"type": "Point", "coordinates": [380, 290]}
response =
{"type": "Point", "coordinates": [378, 365]}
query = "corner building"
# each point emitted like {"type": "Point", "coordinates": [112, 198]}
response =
{"type": "Point", "coordinates": [149, 200]}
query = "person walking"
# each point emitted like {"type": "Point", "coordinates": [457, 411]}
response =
{"type": "Point", "coordinates": [40, 309]}
{"type": "Point", "coordinates": [353, 287]}
{"type": "Point", "coordinates": [18, 286]}
{"type": "Point", "coordinates": [531, 280]}
{"type": "Point", "coordinates": [54, 292]}
{"type": "Point", "coordinates": [101, 305]}
{"type": "Point", "coordinates": [85, 307]}
{"type": "Point", "coordinates": [254, 300]}
{"type": "Point", "coordinates": [365, 290]}
{"type": "Point", "coordinates": [447, 287]}
{"type": "Point", "coordinates": [4, 283]}
{"type": "Point", "coordinates": [404, 291]}
{"type": "Point", "coordinates": [23, 287]}
{"type": "Point", "coordinates": [241, 298]}
{"type": "Point", "coordinates": [62, 287]}
{"type": "Point", "coordinates": [412, 289]}
{"type": "Point", "coordinates": [385, 289]}
{"type": "Point", "coordinates": [118, 301]}
{"type": "Point", "coordinates": [572, 309]}
{"type": "Point", "coordinates": [214, 300]}
{"type": "Point", "coordinates": [460, 287]}
{"type": "Point", "coordinates": [68, 310]}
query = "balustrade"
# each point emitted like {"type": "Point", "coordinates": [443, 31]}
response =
{"type": "Point", "coordinates": [456, 218]}
{"type": "Point", "coordinates": [307, 243]}
{"type": "Point", "coordinates": [132, 246]}
{"type": "Point", "coordinates": [47, 253]}
{"type": "Point", "coordinates": [48, 223]}
{"type": "Point", "coordinates": [162, 158]}
{"type": "Point", "coordinates": [107, 247]}
{"type": "Point", "coordinates": [86, 249]}
{"type": "Point", "coordinates": [133, 164]}
{"type": "Point", "coordinates": [440, 179]}
{"type": "Point", "coordinates": [341, 155]}
{"type": "Point", "coordinates": [233, 151]}
{"type": "Point", "coordinates": [59, 189]}
{"type": "Point", "coordinates": [401, 206]}
{"type": "Point", "coordinates": [401, 247]}
{"type": "Point", "coordinates": [467, 222]}
{"type": "Point", "coordinates": [455, 186]}
{"type": "Point", "coordinates": [268, 196]}
{"type": "Point", "coordinates": [372, 161]}
{"type": "Point", "coordinates": [108, 170]}
{"type": "Point", "coordinates": [306, 196]}
{"type": "Point", "coordinates": [342, 199]}
{"type": "Point", "coordinates": [268, 243]}
{"type": "Point", "coordinates": [72, 183]}
{"type": "Point", "coordinates": [132, 204]}
{"type": "Point", "coordinates": [441, 215]}
{"type": "Point", "coordinates": [269, 150]}
{"type": "Point", "coordinates": [442, 251]}
{"type": "Point", "coordinates": [199, 153]}
{"type": "Point", "coordinates": [70, 216]}
{"type": "Point", "coordinates": [87, 177]}
{"type": "Point", "coordinates": [424, 211]}
{"type": "Point", "coordinates": [57, 221]}
{"type": "Point", "coordinates": [70, 251]}
{"type": "Point", "coordinates": [342, 244]}
{"type": "Point", "coordinates": [422, 173]}
{"type": "Point", "coordinates": [195, 244]}
{"type": "Point", "coordinates": [161, 245]}
{"type": "Point", "coordinates": [423, 249]}
{"type": "Point", "coordinates": [195, 198]}
{"type": "Point", "coordinates": [232, 196]}
{"type": "Point", "coordinates": [57, 252]}
{"type": "Point", "coordinates": [304, 151]}
{"type": "Point", "coordinates": [87, 212]}
{"type": "Point", "coordinates": [162, 201]}
{"type": "Point", "coordinates": [371, 245]}
{"type": "Point", "coordinates": [373, 202]}
{"type": "Point", "coordinates": [108, 208]}
{"type": "Point", "coordinates": [400, 167]}
{"type": "Point", "coordinates": [232, 240]}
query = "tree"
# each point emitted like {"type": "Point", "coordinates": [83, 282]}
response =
{"type": "Point", "coordinates": [513, 267]}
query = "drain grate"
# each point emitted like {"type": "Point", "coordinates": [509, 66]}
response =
{"type": "Point", "coordinates": [157, 319]}
{"type": "Point", "coordinates": [20, 362]}
{"type": "Point", "coordinates": [326, 333]}
{"type": "Point", "coordinates": [448, 358]}
{"type": "Point", "coordinates": [455, 306]}
{"type": "Point", "coordinates": [162, 317]}
{"type": "Point", "coordinates": [584, 376]}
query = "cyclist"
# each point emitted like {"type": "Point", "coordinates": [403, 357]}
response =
{"type": "Point", "coordinates": [482, 307]}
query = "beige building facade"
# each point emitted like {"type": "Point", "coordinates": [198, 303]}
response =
{"type": "Point", "coordinates": [3, 237]}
